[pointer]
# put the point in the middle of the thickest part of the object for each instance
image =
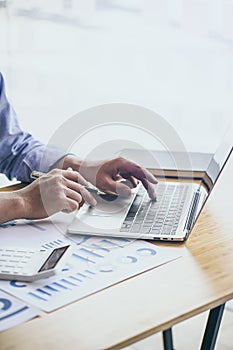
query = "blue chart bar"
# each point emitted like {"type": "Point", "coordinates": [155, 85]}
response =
{"type": "Point", "coordinates": [81, 258]}
{"type": "Point", "coordinates": [111, 244]}
{"type": "Point", "coordinates": [53, 244]}
{"type": "Point", "coordinates": [36, 296]}
{"type": "Point", "coordinates": [90, 272]}
{"type": "Point", "coordinates": [43, 292]}
{"type": "Point", "coordinates": [66, 268]}
{"type": "Point", "coordinates": [91, 253]}
{"type": "Point", "coordinates": [125, 240]}
{"type": "Point", "coordinates": [52, 289]}
{"type": "Point", "coordinates": [83, 239]}
{"type": "Point", "coordinates": [59, 285]}
{"type": "Point", "coordinates": [68, 282]}
{"type": "Point", "coordinates": [96, 246]}
{"type": "Point", "coordinates": [75, 278]}
{"type": "Point", "coordinates": [58, 242]}
{"type": "Point", "coordinates": [47, 246]}
{"type": "Point", "coordinates": [82, 275]}
{"type": "Point", "coordinates": [14, 313]}
{"type": "Point", "coordinates": [38, 227]}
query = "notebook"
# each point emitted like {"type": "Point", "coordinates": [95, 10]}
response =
{"type": "Point", "coordinates": [171, 217]}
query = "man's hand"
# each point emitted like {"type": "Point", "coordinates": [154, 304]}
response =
{"type": "Point", "coordinates": [106, 175]}
{"type": "Point", "coordinates": [64, 190]}
{"type": "Point", "coordinates": [58, 190]}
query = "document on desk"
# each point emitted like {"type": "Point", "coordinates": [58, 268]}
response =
{"type": "Point", "coordinates": [14, 311]}
{"type": "Point", "coordinates": [96, 263]}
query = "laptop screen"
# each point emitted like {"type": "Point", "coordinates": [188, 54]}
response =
{"type": "Point", "coordinates": [218, 160]}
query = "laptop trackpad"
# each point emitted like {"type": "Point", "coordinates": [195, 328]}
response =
{"type": "Point", "coordinates": [106, 215]}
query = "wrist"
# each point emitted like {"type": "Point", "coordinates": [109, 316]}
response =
{"type": "Point", "coordinates": [12, 206]}
{"type": "Point", "coordinates": [19, 205]}
{"type": "Point", "coordinates": [68, 161]}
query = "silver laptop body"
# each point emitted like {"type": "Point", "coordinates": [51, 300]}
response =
{"type": "Point", "coordinates": [171, 217]}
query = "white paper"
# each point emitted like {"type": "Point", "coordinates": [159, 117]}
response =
{"type": "Point", "coordinates": [229, 305]}
{"type": "Point", "coordinates": [14, 311]}
{"type": "Point", "coordinates": [96, 263]}
{"type": "Point", "coordinates": [29, 233]}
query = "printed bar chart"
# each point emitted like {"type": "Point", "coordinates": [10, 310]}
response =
{"type": "Point", "coordinates": [95, 264]}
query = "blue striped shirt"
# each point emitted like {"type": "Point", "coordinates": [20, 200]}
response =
{"type": "Point", "coordinates": [20, 153]}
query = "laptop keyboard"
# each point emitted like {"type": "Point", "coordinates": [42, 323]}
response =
{"type": "Point", "coordinates": [156, 217]}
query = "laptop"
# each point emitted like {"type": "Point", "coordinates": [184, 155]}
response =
{"type": "Point", "coordinates": [171, 217]}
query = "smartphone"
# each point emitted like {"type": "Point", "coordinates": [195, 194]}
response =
{"type": "Point", "coordinates": [30, 264]}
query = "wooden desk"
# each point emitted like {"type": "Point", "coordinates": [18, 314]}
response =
{"type": "Point", "coordinates": [152, 302]}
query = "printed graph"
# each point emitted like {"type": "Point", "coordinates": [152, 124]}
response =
{"type": "Point", "coordinates": [13, 311]}
{"type": "Point", "coordinates": [96, 263]}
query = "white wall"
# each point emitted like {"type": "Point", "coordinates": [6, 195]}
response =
{"type": "Point", "coordinates": [172, 56]}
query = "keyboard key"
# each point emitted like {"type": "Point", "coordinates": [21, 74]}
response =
{"type": "Point", "coordinates": [136, 228]}
{"type": "Point", "coordinates": [146, 216]}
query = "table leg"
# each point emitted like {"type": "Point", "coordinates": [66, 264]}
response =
{"type": "Point", "coordinates": [212, 327]}
{"type": "Point", "coordinates": [167, 339]}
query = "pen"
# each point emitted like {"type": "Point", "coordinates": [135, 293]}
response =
{"type": "Point", "coordinates": [91, 188]}
{"type": "Point", "coordinates": [36, 174]}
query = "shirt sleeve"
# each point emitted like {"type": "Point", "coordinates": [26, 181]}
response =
{"type": "Point", "coordinates": [20, 153]}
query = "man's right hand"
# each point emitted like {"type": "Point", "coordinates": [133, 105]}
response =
{"type": "Point", "coordinates": [58, 190]}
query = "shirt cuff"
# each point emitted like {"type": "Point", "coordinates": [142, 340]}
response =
{"type": "Point", "coordinates": [40, 159]}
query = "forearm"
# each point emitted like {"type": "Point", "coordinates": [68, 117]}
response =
{"type": "Point", "coordinates": [68, 161]}
{"type": "Point", "coordinates": [11, 206]}
{"type": "Point", "coordinates": [88, 169]}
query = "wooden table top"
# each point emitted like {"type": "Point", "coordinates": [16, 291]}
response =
{"type": "Point", "coordinates": [153, 301]}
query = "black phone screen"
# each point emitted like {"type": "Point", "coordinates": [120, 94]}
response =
{"type": "Point", "coordinates": [53, 258]}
